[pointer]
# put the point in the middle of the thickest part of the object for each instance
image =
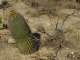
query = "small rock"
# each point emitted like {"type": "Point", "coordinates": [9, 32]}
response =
{"type": "Point", "coordinates": [11, 40]}
{"type": "Point", "coordinates": [66, 11]}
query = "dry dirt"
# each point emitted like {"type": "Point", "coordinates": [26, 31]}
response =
{"type": "Point", "coordinates": [71, 29]}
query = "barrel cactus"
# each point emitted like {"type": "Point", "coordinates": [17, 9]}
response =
{"type": "Point", "coordinates": [22, 34]}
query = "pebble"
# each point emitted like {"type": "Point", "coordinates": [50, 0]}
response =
{"type": "Point", "coordinates": [11, 40]}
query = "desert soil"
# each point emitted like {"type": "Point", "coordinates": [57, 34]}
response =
{"type": "Point", "coordinates": [71, 27]}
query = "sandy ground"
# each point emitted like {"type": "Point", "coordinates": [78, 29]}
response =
{"type": "Point", "coordinates": [71, 27]}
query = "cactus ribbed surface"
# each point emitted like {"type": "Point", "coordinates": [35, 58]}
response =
{"type": "Point", "coordinates": [22, 34]}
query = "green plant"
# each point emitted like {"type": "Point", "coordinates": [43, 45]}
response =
{"type": "Point", "coordinates": [22, 34]}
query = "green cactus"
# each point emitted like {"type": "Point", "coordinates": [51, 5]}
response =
{"type": "Point", "coordinates": [22, 34]}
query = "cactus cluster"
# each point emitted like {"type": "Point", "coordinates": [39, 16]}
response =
{"type": "Point", "coordinates": [21, 33]}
